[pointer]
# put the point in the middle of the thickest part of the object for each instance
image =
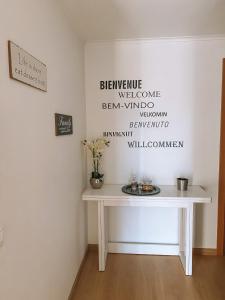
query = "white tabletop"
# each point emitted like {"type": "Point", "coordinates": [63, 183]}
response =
{"type": "Point", "coordinates": [195, 194]}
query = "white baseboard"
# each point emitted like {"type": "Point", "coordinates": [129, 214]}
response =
{"type": "Point", "coordinates": [142, 248]}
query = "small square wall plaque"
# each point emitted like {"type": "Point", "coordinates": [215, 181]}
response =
{"type": "Point", "coordinates": [63, 124]}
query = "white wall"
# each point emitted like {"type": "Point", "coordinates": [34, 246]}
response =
{"type": "Point", "coordinates": [42, 176]}
{"type": "Point", "coordinates": [188, 74]}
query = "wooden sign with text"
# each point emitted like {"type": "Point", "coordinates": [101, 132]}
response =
{"type": "Point", "coordinates": [63, 124]}
{"type": "Point", "coordinates": [25, 68]}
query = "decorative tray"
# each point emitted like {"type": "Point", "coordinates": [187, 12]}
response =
{"type": "Point", "coordinates": [127, 189]}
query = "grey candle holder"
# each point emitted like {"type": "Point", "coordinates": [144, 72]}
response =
{"type": "Point", "coordinates": [182, 184]}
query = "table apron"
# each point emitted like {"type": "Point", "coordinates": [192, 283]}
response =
{"type": "Point", "coordinates": [141, 203]}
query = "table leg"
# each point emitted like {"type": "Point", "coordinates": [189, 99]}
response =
{"type": "Point", "coordinates": [181, 233]}
{"type": "Point", "coordinates": [189, 239]}
{"type": "Point", "coordinates": [102, 242]}
{"type": "Point", "coordinates": [186, 237]}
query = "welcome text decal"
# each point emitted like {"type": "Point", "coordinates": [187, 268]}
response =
{"type": "Point", "coordinates": [130, 96]}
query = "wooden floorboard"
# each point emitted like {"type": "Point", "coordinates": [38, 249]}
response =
{"type": "Point", "coordinates": [145, 277]}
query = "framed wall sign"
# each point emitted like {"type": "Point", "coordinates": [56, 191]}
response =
{"type": "Point", "coordinates": [63, 124]}
{"type": "Point", "coordinates": [25, 68]}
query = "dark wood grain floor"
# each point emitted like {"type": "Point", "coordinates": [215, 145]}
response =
{"type": "Point", "coordinates": [143, 277]}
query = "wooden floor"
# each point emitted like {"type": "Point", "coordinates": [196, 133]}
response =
{"type": "Point", "coordinates": [143, 277]}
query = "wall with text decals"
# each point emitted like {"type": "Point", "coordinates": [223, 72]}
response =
{"type": "Point", "coordinates": [158, 101]}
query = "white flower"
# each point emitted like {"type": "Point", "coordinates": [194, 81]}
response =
{"type": "Point", "coordinates": [96, 147]}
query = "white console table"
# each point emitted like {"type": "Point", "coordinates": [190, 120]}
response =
{"type": "Point", "coordinates": [111, 195]}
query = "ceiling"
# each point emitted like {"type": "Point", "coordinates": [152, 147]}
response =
{"type": "Point", "coordinates": [130, 19]}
